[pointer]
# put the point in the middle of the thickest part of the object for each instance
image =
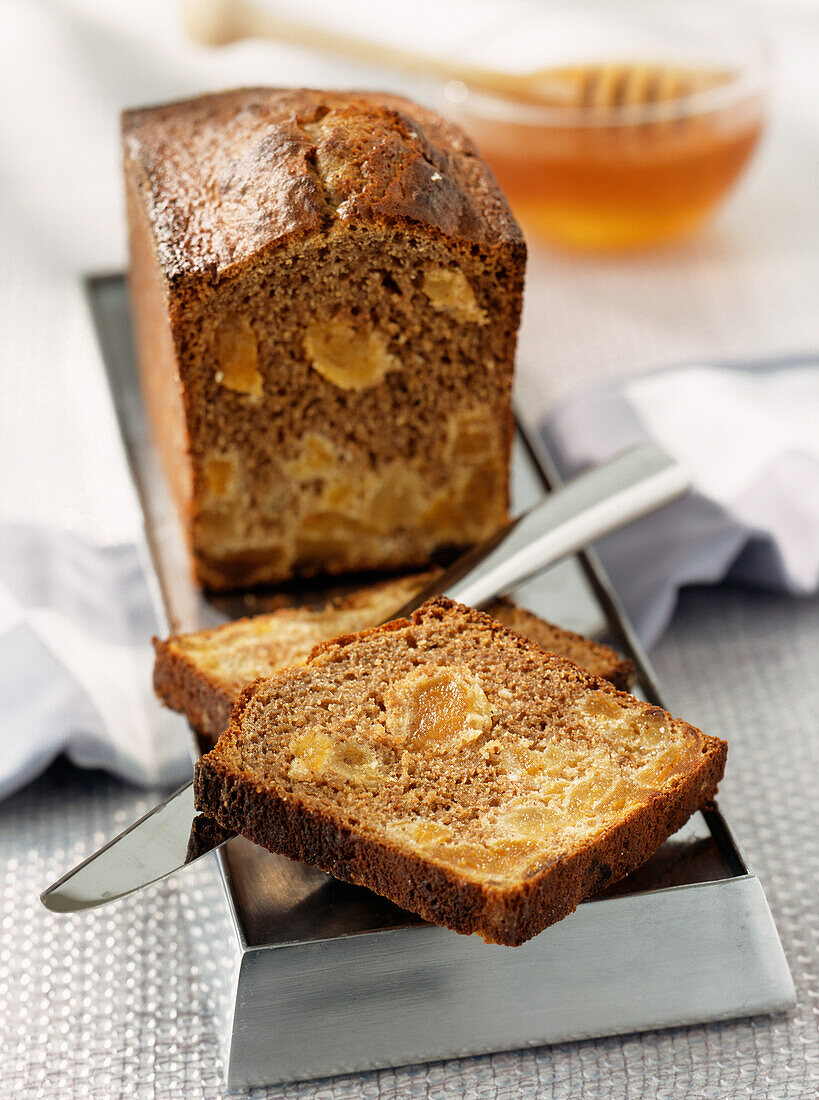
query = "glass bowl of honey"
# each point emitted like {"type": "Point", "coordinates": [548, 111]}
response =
{"type": "Point", "coordinates": [632, 124]}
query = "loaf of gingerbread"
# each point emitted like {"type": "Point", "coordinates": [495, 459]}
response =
{"type": "Point", "coordinates": [326, 290]}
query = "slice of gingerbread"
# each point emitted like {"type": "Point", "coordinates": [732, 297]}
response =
{"type": "Point", "coordinates": [457, 769]}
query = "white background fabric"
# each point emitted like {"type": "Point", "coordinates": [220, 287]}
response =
{"type": "Point", "coordinates": [76, 661]}
{"type": "Point", "coordinates": [749, 437]}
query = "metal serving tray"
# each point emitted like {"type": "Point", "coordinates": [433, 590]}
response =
{"type": "Point", "coordinates": [315, 977]}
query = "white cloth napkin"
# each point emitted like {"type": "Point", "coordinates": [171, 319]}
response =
{"type": "Point", "coordinates": [75, 662]}
{"type": "Point", "coordinates": [750, 440]}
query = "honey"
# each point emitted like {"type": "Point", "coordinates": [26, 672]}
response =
{"type": "Point", "coordinates": [627, 156]}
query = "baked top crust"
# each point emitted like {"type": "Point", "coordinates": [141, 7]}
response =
{"type": "Point", "coordinates": [227, 176]}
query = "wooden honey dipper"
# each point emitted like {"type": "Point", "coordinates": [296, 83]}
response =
{"type": "Point", "coordinates": [605, 87]}
{"type": "Point", "coordinates": [597, 87]}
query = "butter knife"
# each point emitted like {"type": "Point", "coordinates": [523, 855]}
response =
{"type": "Point", "coordinates": [597, 502]}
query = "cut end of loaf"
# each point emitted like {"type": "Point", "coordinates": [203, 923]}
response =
{"type": "Point", "coordinates": [352, 422]}
{"type": "Point", "coordinates": [457, 769]}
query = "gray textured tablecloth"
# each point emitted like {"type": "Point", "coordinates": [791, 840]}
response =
{"type": "Point", "coordinates": [108, 1004]}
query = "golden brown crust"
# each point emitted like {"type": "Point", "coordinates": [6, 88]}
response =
{"type": "Point", "coordinates": [182, 686]}
{"type": "Point", "coordinates": [162, 390]}
{"type": "Point", "coordinates": [295, 159]}
{"type": "Point", "coordinates": [287, 824]}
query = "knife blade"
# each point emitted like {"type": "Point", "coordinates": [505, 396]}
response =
{"type": "Point", "coordinates": [590, 506]}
